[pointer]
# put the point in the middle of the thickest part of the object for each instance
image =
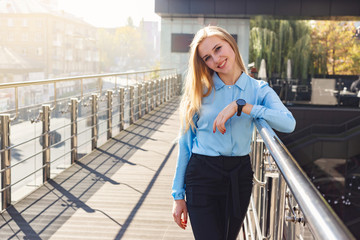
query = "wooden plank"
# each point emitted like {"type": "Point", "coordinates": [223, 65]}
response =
{"type": "Point", "coordinates": [120, 191]}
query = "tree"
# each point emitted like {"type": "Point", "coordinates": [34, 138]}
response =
{"type": "Point", "coordinates": [335, 50]}
{"type": "Point", "coordinates": [278, 40]}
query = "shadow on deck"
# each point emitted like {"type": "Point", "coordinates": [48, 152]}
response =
{"type": "Point", "coordinates": [119, 191]}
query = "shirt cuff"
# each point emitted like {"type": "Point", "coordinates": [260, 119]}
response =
{"type": "Point", "coordinates": [178, 195]}
{"type": "Point", "coordinates": [255, 111]}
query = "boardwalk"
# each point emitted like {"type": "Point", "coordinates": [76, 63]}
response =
{"type": "Point", "coordinates": [119, 191]}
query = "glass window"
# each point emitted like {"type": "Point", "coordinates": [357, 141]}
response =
{"type": "Point", "coordinates": [39, 51]}
{"type": "Point", "coordinates": [10, 22]}
{"type": "Point", "coordinates": [25, 22]}
{"type": "Point", "coordinates": [25, 37]}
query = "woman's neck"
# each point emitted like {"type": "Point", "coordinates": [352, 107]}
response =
{"type": "Point", "coordinates": [230, 78]}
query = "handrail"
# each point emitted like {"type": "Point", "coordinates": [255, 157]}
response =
{"type": "Point", "coordinates": [65, 79]}
{"type": "Point", "coordinates": [322, 220]}
{"type": "Point", "coordinates": [16, 85]}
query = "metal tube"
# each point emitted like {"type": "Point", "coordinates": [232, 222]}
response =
{"type": "Point", "coordinates": [51, 81]}
{"type": "Point", "coordinates": [274, 178]}
{"type": "Point", "coordinates": [46, 141]}
{"type": "Point", "coordinates": [109, 113]}
{"type": "Point", "coordinates": [157, 92]}
{"type": "Point", "coordinates": [5, 161]}
{"type": "Point", "coordinates": [259, 234]}
{"type": "Point", "coordinates": [152, 101]}
{"type": "Point", "coordinates": [171, 86]}
{"type": "Point", "coordinates": [140, 99]}
{"type": "Point", "coordinates": [146, 97]}
{"type": "Point", "coordinates": [322, 220]}
{"type": "Point", "coordinates": [280, 208]}
{"type": "Point", "coordinates": [163, 90]}
{"type": "Point", "coordinates": [122, 107]}
{"type": "Point", "coordinates": [74, 142]}
{"type": "Point", "coordinates": [132, 120]}
{"type": "Point", "coordinates": [94, 110]}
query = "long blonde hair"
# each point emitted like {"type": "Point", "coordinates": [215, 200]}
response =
{"type": "Point", "coordinates": [198, 80]}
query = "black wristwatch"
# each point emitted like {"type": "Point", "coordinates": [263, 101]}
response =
{"type": "Point", "coordinates": [240, 103]}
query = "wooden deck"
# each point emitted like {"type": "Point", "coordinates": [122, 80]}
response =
{"type": "Point", "coordinates": [120, 191]}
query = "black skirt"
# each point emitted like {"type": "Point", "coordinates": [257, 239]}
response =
{"type": "Point", "coordinates": [219, 184]}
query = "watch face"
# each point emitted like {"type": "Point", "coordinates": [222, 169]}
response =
{"type": "Point", "coordinates": [241, 102]}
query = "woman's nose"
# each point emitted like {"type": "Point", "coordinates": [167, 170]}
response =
{"type": "Point", "coordinates": [216, 58]}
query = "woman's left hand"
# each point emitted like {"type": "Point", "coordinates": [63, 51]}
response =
{"type": "Point", "coordinates": [223, 116]}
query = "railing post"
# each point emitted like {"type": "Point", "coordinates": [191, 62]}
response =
{"type": "Point", "coordinates": [157, 92]}
{"type": "Point", "coordinates": [258, 166]}
{"type": "Point", "coordinates": [167, 84]}
{"type": "Point", "coordinates": [122, 107]}
{"type": "Point", "coordinates": [5, 161]}
{"type": "Point", "coordinates": [172, 86]}
{"type": "Point", "coordinates": [46, 141]}
{"type": "Point", "coordinates": [74, 142]}
{"type": "Point", "coordinates": [146, 97]}
{"type": "Point", "coordinates": [131, 105]}
{"type": "Point", "coordinates": [140, 99]}
{"type": "Point", "coordinates": [279, 220]}
{"type": "Point", "coordinates": [163, 90]}
{"type": "Point", "coordinates": [152, 90]}
{"type": "Point", "coordinates": [94, 111]}
{"type": "Point", "coordinates": [109, 113]}
{"type": "Point", "coordinates": [178, 84]}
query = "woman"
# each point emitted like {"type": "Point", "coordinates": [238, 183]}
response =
{"type": "Point", "coordinates": [213, 167]}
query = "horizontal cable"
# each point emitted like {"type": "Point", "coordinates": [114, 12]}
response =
{"type": "Point", "coordinates": [13, 184]}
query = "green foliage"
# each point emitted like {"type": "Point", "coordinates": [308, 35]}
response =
{"type": "Point", "coordinates": [276, 41]}
{"type": "Point", "coordinates": [314, 47]}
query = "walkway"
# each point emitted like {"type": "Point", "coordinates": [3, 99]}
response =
{"type": "Point", "coordinates": [119, 191]}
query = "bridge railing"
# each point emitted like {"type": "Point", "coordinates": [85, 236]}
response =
{"type": "Point", "coordinates": [50, 124]}
{"type": "Point", "coordinates": [285, 204]}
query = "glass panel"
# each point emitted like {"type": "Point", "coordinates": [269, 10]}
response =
{"type": "Point", "coordinates": [26, 156]}
{"type": "Point", "coordinates": [84, 127]}
{"type": "Point", "coordinates": [102, 119]}
{"type": "Point", "coordinates": [116, 114]}
{"type": "Point", "coordinates": [127, 107]}
{"type": "Point", "coordinates": [60, 142]}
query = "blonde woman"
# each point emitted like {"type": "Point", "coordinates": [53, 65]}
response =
{"type": "Point", "coordinates": [213, 168]}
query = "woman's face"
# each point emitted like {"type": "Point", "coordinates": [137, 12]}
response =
{"type": "Point", "coordinates": [217, 54]}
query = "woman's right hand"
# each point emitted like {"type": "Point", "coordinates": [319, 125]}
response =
{"type": "Point", "coordinates": [180, 213]}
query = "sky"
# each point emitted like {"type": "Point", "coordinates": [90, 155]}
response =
{"type": "Point", "coordinates": [110, 13]}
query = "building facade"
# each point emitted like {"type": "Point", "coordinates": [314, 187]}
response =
{"type": "Point", "coordinates": [177, 33]}
{"type": "Point", "coordinates": [55, 43]}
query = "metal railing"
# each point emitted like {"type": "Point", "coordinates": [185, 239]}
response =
{"type": "Point", "coordinates": [71, 127]}
{"type": "Point", "coordinates": [285, 204]}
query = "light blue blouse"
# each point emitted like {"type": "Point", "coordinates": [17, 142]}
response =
{"type": "Point", "coordinates": [236, 140]}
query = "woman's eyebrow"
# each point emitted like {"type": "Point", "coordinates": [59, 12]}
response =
{"type": "Point", "coordinates": [212, 49]}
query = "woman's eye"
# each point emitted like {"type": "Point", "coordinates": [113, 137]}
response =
{"type": "Point", "coordinates": [207, 58]}
{"type": "Point", "coordinates": [218, 48]}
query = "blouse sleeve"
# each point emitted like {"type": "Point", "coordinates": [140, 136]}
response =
{"type": "Point", "coordinates": [185, 149]}
{"type": "Point", "coordinates": [271, 109]}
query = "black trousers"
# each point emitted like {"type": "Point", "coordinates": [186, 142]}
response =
{"type": "Point", "coordinates": [218, 192]}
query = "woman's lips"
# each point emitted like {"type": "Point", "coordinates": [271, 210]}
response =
{"type": "Point", "coordinates": [222, 65]}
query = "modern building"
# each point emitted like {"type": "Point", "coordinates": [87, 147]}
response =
{"type": "Point", "coordinates": [54, 43]}
{"type": "Point", "coordinates": [180, 20]}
